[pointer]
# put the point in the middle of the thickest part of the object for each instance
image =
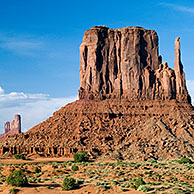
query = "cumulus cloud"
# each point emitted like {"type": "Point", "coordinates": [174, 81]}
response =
{"type": "Point", "coordinates": [34, 108]}
{"type": "Point", "coordinates": [179, 7]}
{"type": "Point", "coordinates": [1, 90]}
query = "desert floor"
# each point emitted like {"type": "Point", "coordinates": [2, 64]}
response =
{"type": "Point", "coordinates": [161, 176]}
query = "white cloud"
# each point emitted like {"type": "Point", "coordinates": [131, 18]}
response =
{"type": "Point", "coordinates": [179, 7]}
{"type": "Point", "coordinates": [190, 86]}
{"type": "Point", "coordinates": [1, 90]}
{"type": "Point", "coordinates": [34, 108]}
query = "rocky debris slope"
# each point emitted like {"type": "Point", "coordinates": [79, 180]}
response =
{"type": "Point", "coordinates": [136, 130]}
{"type": "Point", "coordinates": [132, 105]}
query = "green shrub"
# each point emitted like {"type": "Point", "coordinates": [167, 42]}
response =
{"type": "Point", "coordinates": [139, 182]}
{"type": "Point", "coordinates": [143, 188]}
{"type": "Point", "coordinates": [19, 156]}
{"type": "Point", "coordinates": [132, 186]}
{"type": "Point", "coordinates": [153, 161]}
{"type": "Point", "coordinates": [37, 170]}
{"type": "Point", "coordinates": [17, 178]}
{"type": "Point", "coordinates": [13, 191]}
{"type": "Point", "coordinates": [185, 161]}
{"type": "Point", "coordinates": [74, 168]}
{"type": "Point", "coordinates": [81, 156]}
{"type": "Point", "coordinates": [69, 184]}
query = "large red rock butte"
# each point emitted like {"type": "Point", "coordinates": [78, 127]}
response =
{"type": "Point", "coordinates": [131, 104]}
{"type": "Point", "coordinates": [124, 63]}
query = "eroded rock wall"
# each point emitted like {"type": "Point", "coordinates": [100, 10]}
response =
{"type": "Point", "coordinates": [124, 63]}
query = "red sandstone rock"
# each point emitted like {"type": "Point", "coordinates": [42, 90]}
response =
{"type": "Point", "coordinates": [131, 104]}
{"type": "Point", "coordinates": [124, 63]}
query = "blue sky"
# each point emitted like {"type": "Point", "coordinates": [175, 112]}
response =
{"type": "Point", "coordinates": [40, 39]}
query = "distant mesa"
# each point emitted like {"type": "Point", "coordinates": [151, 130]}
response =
{"type": "Point", "coordinates": [12, 128]}
{"type": "Point", "coordinates": [131, 105]}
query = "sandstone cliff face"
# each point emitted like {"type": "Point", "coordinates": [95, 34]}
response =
{"type": "Point", "coordinates": [124, 63]}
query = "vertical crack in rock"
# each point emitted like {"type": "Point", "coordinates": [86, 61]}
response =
{"type": "Point", "coordinates": [125, 64]}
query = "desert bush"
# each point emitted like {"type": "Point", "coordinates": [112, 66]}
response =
{"type": "Point", "coordinates": [17, 178]}
{"type": "Point", "coordinates": [74, 168]}
{"type": "Point", "coordinates": [69, 184]}
{"type": "Point", "coordinates": [81, 156]}
{"type": "Point", "coordinates": [139, 182]}
{"type": "Point", "coordinates": [37, 170]}
{"type": "Point", "coordinates": [19, 156]}
{"type": "Point", "coordinates": [185, 161]}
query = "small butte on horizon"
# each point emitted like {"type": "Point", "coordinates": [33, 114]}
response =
{"type": "Point", "coordinates": [12, 127]}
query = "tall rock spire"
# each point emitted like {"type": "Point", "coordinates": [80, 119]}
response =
{"type": "Point", "coordinates": [178, 65]}
{"type": "Point", "coordinates": [181, 90]}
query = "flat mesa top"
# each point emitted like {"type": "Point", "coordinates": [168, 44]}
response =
{"type": "Point", "coordinates": [120, 29]}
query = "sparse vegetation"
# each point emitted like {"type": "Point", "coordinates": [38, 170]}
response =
{"type": "Point", "coordinates": [169, 176]}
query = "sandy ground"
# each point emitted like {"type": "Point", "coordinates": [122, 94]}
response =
{"type": "Point", "coordinates": [48, 187]}
{"type": "Point", "coordinates": [58, 190]}
{"type": "Point", "coordinates": [55, 188]}
{"type": "Point", "coordinates": [35, 160]}
{"type": "Point", "coordinates": [43, 190]}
